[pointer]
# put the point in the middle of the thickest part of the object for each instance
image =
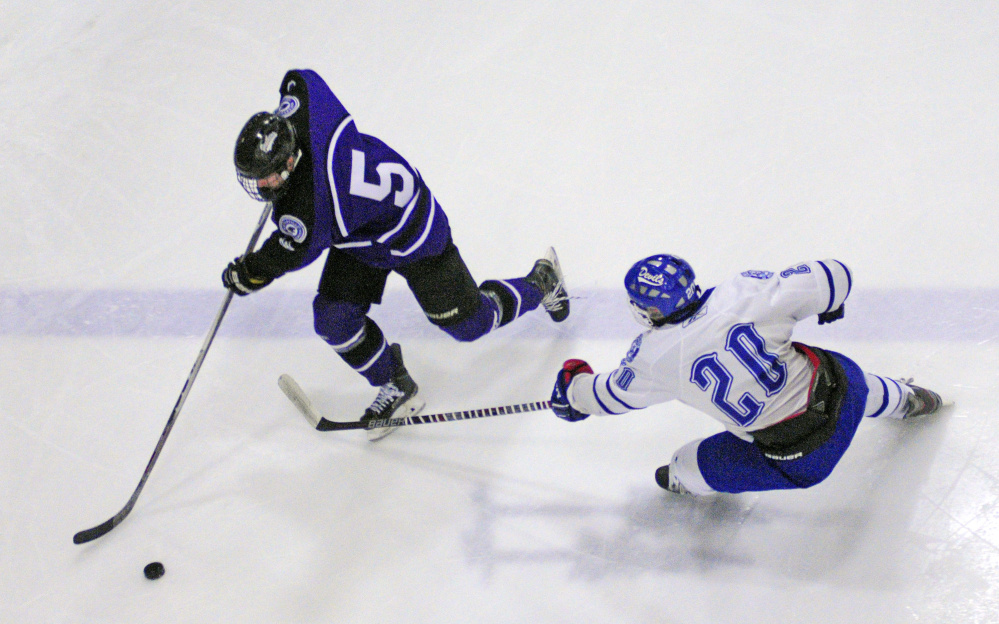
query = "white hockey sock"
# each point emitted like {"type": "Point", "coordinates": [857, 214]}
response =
{"type": "Point", "coordinates": [885, 397]}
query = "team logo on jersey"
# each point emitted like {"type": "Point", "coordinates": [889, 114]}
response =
{"type": "Point", "coordinates": [293, 228]}
{"type": "Point", "coordinates": [760, 275]}
{"type": "Point", "coordinates": [800, 269]}
{"type": "Point", "coordinates": [633, 350]}
{"type": "Point", "coordinates": [289, 104]}
{"type": "Point", "coordinates": [648, 278]}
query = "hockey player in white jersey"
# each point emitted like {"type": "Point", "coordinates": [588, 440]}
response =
{"type": "Point", "coordinates": [790, 411]}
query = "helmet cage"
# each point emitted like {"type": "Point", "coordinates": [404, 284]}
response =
{"type": "Point", "coordinates": [650, 317]}
{"type": "Point", "coordinates": [269, 188]}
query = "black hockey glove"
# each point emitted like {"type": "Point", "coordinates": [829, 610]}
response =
{"type": "Point", "coordinates": [237, 278]}
{"type": "Point", "coordinates": [834, 315]}
{"type": "Point", "coordinates": [560, 399]}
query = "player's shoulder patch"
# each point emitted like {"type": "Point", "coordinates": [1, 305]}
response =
{"type": "Point", "coordinates": [288, 107]}
{"type": "Point", "coordinates": [294, 96]}
{"type": "Point", "coordinates": [293, 228]}
{"type": "Point", "coordinates": [760, 275]}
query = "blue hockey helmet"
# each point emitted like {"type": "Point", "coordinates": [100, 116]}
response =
{"type": "Point", "coordinates": [658, 287]}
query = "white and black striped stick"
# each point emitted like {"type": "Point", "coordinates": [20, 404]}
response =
{"type": "Point", "coordinates": [294, 392]}
{"type": "Point", "coordinates": [93, 533]}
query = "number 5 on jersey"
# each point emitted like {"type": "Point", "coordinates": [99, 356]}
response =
{"type": "Point", "coordinates": [385, 170]}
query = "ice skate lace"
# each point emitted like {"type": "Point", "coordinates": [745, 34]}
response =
{"type": "Point", "coordinates": [553, 285]}
{"type": "Point", "coordinates": [387, 394]}
{"type": "Point", "coordinates": [555, 298]}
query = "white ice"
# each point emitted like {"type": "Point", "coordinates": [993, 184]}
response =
{"type": "Point", "coordinates": [736, 134]}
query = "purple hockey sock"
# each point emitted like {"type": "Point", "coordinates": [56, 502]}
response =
{"type": "Point", "coordinates": [356, 338]}
{"type": "Point", "coordinates": [500, 302]}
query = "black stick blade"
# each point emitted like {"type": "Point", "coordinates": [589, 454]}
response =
{"type": "Point", "coordinates": [91, 534]}
{"type": "Point", "coordinates": [333, 425]}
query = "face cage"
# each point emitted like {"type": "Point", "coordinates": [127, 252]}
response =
{"type": "Point", "coordinates": [265, 193]}
{"type": "Point", "coordinates": [250, 186]}
{"type": "Point", "coordinates": [649, 317]}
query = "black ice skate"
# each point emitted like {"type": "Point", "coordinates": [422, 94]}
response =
{"type": "Point", "coordinates": [547, 277]}
{"type": "Point", "coordinates": [666, 482]}
{"type": "Point", "coordinates": [396, 399]}
{"type": "Point", "coordinates": [921, 402]}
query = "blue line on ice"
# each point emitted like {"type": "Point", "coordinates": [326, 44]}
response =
{"type": "Point", "coordinates": [597, 313]}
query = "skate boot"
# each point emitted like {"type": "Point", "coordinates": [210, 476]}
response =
{"type": "Point", "coordinates": [396, 399]}
{"type": "Point", "coordinates": [667, 482]}
{"type": "Point", "coordinates": [921, 402]}
{"type": "Point", "coordinates": [547, 277]}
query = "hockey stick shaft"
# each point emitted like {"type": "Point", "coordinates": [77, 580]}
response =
{"type": "Point", "coordinates": [535, 406]}
{"type": "Point", "coordinates": [294, 392]}
{"type": "Point", "coordinates": [93, 533]}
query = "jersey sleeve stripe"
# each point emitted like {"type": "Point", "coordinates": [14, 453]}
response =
{"type": "Point", "coordinates": [849, 279]}
{"type": "Point", "coordinates": [596, 395]}
{"type": "Point", "coordinates": [832, 286]}
{"type": "Point", "coordinates": [610, 391]}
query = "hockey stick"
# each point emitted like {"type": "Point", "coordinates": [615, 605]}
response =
{"type": "Point", "coordinates": [294, 392]}
{"type": "Point", "coordinates": [101, 529]}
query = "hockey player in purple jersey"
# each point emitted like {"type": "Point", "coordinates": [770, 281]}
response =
{"type": "Point", "coordinates": [333, 188]}
{"type": "Point", "coordinates": [790, 411]}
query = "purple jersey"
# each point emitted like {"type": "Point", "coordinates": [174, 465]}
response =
{"type": "Point", "coordinates": [350, 191]}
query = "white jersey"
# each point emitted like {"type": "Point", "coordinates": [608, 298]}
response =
{"type": "Point", "coordinates": [733, 359]}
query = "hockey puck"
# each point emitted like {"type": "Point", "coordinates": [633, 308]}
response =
{"type": "Point", "coordinates": [154, 570]}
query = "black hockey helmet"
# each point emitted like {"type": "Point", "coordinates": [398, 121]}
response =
{"type": "Point", "coordinates": [266, 153]}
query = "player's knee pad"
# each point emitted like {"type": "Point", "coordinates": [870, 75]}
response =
{"type": "Point", "coordinates": [482, 320]}
{"type": "Point", "coordinates": [339, 323]}
{"type": "Point", "coordinates": [495, 306]}
{"type": "Point", "coordinates": [684, 466]}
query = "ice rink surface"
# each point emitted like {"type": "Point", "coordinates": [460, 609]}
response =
{"type": "Point", "coordinates": [736, 134]}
